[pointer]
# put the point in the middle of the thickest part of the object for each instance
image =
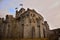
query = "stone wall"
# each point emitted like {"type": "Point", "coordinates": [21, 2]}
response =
{"type": "Point", "coordinates": [26, 24]}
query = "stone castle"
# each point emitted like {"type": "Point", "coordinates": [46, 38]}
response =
{"type": "Point", "coordinates": [26, 24]}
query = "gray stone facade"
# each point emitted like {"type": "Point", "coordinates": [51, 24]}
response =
{"type": "Point", "coordinates": [26, 24]}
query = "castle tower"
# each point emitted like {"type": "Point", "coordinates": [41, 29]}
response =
{"type": "Point", "coordinates": [18, 13]}
{"type": "Point", "coordinates": [30, 23]}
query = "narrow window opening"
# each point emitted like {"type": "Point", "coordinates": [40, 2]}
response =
{"type": "Point", "coordinates": [44, 33]}
{"type": "Point", "coordinates": [33, 32]}
{"type": "Point", "coordinates": [22, 30]}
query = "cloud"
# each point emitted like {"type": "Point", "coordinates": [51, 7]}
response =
{"type": "Point", "coordinates": [3, 13]}
{"type": "Point", "coordinates": [55, 4]}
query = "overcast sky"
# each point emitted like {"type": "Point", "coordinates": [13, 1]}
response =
{"type": "Point", "coordinates": [49, 9]}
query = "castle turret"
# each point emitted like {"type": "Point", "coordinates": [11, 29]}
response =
{"type": "Point", "coordinates": [46, 29]}
{"type": "Point", "coordinates": [9, 18]}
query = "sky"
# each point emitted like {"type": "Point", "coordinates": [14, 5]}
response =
{"type": "Point", "coordinates": [49, 9]}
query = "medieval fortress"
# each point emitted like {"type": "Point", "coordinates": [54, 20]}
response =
{"type": "Point", "coordinates": [26, 24]}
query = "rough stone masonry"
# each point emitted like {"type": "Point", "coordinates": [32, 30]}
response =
{"type": "Point", "coordinates": [26, 24]}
